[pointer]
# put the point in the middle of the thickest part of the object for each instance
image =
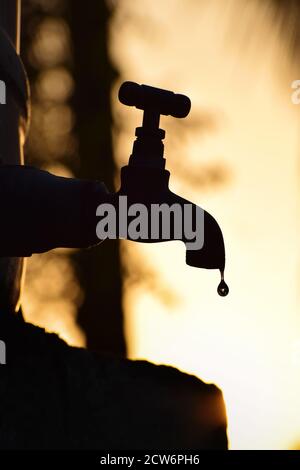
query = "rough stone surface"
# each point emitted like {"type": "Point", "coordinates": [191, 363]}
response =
{"type": "Point", "coordinates": [53, 396]}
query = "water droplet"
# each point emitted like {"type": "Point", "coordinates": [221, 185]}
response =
{"type": "Point", "coordinates": [223, 288]}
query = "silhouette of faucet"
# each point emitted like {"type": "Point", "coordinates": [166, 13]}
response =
{"type": "Point", "coordinates": [41, 211]}
{"type": "Point", "coordinates": [145, 179]}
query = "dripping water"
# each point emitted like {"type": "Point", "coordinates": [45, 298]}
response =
{"type": "Point", "coordinates": [223, 288]}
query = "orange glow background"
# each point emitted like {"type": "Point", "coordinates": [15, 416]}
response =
{"type": "Point", "coordinates": [237, 156]}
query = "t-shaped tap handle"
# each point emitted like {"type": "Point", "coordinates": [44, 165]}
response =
{"type": "Point", "coordinates": [148, 148]}
{"type": "Point", "coordinates": [153, 99]}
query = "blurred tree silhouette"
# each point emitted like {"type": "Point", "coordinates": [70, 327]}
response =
{"type": "Point", "coordinates": [64, 48]}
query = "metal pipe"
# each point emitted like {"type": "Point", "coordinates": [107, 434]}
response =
{"type": "Point", "coordinates": [12, 137]}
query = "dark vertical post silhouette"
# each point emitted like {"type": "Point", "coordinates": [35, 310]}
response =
{"type": "Point", "coordinates": [99, 270]}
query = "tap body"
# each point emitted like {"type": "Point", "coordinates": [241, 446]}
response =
{"type": "Point", "coordinates": [145, 179]}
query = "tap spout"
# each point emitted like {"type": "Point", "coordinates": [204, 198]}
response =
{"type": "Point", "coordinates": [150, 187]}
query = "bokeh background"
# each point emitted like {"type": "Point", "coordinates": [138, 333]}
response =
{"type": "Point", "coordinates": [236, 155]}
